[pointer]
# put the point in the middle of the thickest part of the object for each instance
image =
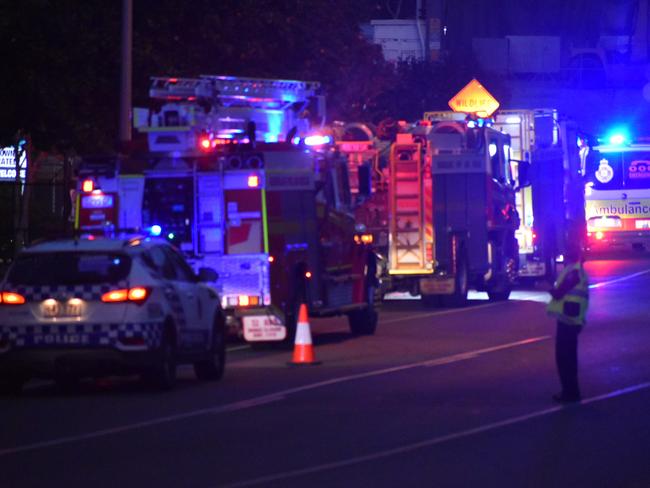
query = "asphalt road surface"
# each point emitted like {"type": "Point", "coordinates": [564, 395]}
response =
{"type": "Point", "coordinates": [437, 398]}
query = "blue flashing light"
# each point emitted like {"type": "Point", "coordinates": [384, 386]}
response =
{"type": "Point", "coordinates": [295, 141]}
{"type": "Point", "coordinates": [170, 236]}
{"type": "Point", "coordinates": [317, 140]}
{"type": "Point", "coordinates": [155, 230]}
{"type": "Point", "coordinates": [271, 138]}
{"type": "Point", "coordinates": [471, 124]}
{"type": "Point", "coordinates": [617, 139]}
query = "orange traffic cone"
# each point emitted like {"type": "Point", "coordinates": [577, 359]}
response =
{"type": "Point", "coordinates": [303, 350]}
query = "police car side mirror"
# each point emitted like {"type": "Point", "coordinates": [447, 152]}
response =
{"type": "Point", "coordinates": [523, 180]}
{"type": "Point", "coordinates": [207, 274]}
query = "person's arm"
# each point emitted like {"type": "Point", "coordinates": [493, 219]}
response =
{"type": "Point", "coordinates": [567, 285]}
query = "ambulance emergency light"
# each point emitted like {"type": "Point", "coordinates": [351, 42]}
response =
{"type": "Point", "coordinates": [617, 136]}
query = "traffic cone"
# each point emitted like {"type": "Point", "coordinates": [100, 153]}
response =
{"type": "Point", "coordinates": [303, 349]}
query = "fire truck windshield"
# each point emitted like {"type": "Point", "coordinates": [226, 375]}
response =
{"type": "Point", "coordinates": [619, 170]}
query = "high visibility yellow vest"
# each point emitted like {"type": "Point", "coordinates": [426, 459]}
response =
{"type": "Point", "coordinates": [572, 307]}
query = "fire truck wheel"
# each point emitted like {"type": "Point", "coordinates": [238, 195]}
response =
{"type": "Point", "coordinates": [364, 321]}
{"type": "Point", "coordinates": [459, 297]}
{"type": "Point", "coordinates": [162, 374]}
{"type": "Point", "coordinates": [551, 270]}
{"type": "Point", "coordinates": [212, 368]}
{"type": "Point", "coordinates": [500, 291]}
{"type": "Point", "coordinates": [291, 324]}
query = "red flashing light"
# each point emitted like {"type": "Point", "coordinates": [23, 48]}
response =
{"type": "Point", "coordinates": [205, 143]}
{"type": "Point", "coordinates": [308, 274]}
{"type": "Point", "coordinates": [173, 80]}
{"type": "Point", "coordinates": [88, 186]}
{"type": "Point", "coordinates": [11, 298]}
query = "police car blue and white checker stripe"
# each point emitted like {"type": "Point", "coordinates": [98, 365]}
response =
{"type": "Point", "coordinates": [84, 292]}
{"type": "Point", "coordinates": [100, 335]}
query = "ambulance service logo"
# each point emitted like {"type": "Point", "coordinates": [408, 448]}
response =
{"type": "Point", "coordinates": [604, 173]}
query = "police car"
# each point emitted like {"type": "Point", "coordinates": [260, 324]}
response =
{"type": "Point", "coordinates": [95, 307]}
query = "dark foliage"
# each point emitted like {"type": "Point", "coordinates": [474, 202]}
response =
{"type": "Point", "coordinates": [61, 60]}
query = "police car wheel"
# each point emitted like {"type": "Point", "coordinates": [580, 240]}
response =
{"type": "Point", "coordinates": [212, 368]}
{"type": "Point", "coordinates": [163, 373]}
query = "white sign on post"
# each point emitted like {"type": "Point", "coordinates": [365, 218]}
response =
{"type": "Point", "coordinates": [8, 164]}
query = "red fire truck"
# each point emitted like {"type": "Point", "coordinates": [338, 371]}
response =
{"type": "Point", "coordinates": [452, 211]}
{"type": "Point", "coordinates": [274, 219]}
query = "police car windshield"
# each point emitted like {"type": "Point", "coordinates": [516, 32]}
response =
{"type": "Point", "coordinates": [69, 268]}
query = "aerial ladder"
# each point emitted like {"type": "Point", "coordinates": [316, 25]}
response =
{"type": "Point", "coordinates": [201, 113]}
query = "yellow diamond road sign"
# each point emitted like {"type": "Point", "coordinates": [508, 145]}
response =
{"type": "Point", "coordinates": [474, 99]}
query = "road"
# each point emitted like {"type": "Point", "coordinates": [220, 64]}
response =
{"type": "Point", "coordinates": [444, 398]}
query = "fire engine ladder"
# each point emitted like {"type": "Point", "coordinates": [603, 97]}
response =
{"type": "Point", "coordinates": [407, 253]}
{"type": "Point", "coordinates": [180, 88]}
{"type": "Point", "coordinates": [261, 92]}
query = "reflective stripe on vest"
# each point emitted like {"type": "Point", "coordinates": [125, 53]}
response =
{"type": "Point", "coordinates": [575, 301]}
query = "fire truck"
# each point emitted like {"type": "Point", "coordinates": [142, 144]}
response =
{"type": "Point", "coordinates": [452, 211]}
{"type": "Point", "coordinates": [551, 209]}
{"type": "Point", "coordinates": [275, 219]}
{"type": "Point", "coordinates": [368, 156]}
{"type": "Point", "coordinates": [618, 194]}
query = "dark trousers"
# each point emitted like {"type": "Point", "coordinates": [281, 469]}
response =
{"type": "Point", "coordinates": [566, 358]}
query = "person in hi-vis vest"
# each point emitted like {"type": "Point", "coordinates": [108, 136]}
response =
{"type": "Point", "coordinates": [570, 299]}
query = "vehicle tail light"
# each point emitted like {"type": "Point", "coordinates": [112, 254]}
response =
{"type": "Point", "coordinates": [136, 294]}
{"type": "Point", "coordinates": [11, 298]}
{"type": "Point", "coordinates": [247, 300]}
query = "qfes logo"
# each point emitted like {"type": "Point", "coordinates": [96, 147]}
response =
{"type": "Point", "coordinates": [639, 169]}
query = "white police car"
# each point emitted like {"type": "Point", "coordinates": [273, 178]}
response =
{"type": "Point", "coordinates": [94, 307]}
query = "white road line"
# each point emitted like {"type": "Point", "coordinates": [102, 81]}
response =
{"type": "Point", "coordinates": [253, 402]}
{"type": "Point", "coordinates": [618, 280]}
{"type": "Point", "coordinates": [429, 442]}
{"type": "Point", "coordinates": [262, 400]}
{"type": "Point", "coordinates": [441, 312]}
